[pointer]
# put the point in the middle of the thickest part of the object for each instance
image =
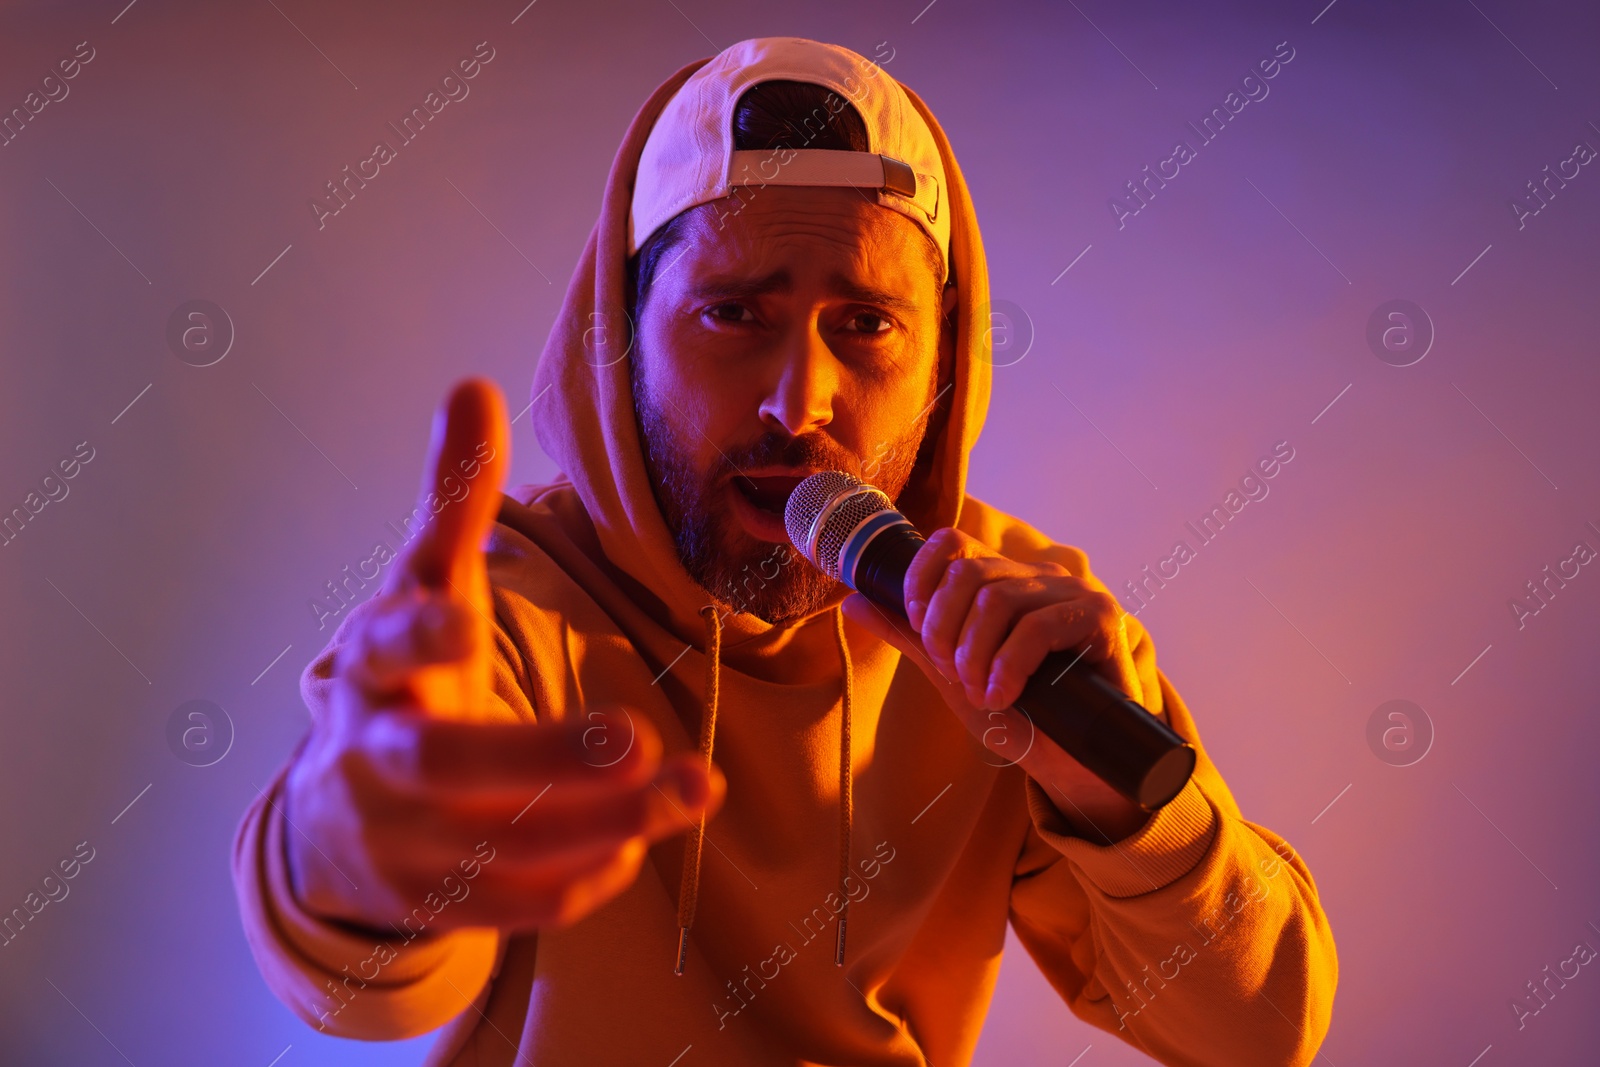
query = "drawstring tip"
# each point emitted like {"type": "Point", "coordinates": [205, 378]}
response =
{"type": "Point", "coordinates": [838, 951]}
{"type": "Point", "coordinates": [683, 949]}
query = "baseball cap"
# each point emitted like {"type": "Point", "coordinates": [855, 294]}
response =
{"type": "Point", "coordinates": [689, 157]}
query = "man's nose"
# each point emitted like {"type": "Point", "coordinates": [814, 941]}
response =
{"type": "Point", "coordinates": [801, 399]}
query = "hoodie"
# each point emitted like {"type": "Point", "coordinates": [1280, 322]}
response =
{"type": "Point", "coordinates": [849, 902]}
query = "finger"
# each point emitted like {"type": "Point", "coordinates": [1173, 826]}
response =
{"type": "Point", "coordinates": [552, 842]}
{"type": "Point", "coordinates": [541, 841]}
{"type": "Point", "coordinates": [1119, 666]}
{"type": "Point", "coordinates": [1082, 624]}
{"type": "Point", "coordinates": [468, 455]}
{"type": "Point", "coordinates": [694, 787]}
{"type": "Point", "coordinates": [487, 894]}
{"type": "Point", "coordinates": [870, 617]}
{"type": "Point", "coordinates": [405, 631]}
{"type": "Point", "coordinates": [927, 568]}
{"type": "Point", "coordinates": [604, 751]}
{"type": "Point", "coordinates": [952, 601]}
{"type": "Point", "coordinates": [516, 903]}
{"type": "Point", "coordinates": [996, 608]}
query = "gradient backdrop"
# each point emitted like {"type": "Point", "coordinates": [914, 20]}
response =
{"type": "Point", "coordinates": [1147, 360]}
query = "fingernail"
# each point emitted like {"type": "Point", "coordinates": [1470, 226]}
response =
{"type": "Point", "coordinates": [914, 611]}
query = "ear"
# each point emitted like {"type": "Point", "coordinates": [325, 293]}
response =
{"type": "Point", "coordinates": [949, 331]}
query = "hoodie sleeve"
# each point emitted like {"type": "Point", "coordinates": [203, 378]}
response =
{"type": "Point", "coordinates": [1199, 937]}
{"type": "Point", "coordinates": [333, 975]}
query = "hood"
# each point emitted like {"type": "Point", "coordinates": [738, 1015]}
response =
{"type": "Point", "coordinates": [583, 403]}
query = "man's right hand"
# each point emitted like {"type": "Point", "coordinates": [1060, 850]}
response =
{"type": "Point", "coordinates": [397, 788]}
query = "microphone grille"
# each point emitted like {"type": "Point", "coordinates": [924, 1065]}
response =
{"type": "Point", "coordinates": [823, 510]}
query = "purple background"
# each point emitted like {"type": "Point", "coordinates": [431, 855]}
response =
{"type": "Point", "coordinates": [1226, 316]}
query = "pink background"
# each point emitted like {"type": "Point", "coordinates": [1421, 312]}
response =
{"type": "Point", "coordinates": [1224, 317]}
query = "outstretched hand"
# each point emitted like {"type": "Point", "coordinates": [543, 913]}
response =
{"type": "Point", "coordinates": [407, 782]}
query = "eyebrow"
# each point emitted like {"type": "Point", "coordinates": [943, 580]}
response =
{"type": "Point", "coordinates": [779, 281]}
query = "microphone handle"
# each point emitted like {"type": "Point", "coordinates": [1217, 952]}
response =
{"type": "Point", "coordinates": [1115, 738]}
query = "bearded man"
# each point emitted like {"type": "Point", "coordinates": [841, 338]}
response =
{"type": "Point", "coordinates": [607, 773]}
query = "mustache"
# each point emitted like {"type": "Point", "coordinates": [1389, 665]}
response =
{"type": "Point", "coordinates": [777, 450]}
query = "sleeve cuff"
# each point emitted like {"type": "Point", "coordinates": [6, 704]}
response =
{"type": "Point", "coordinates": [1169, 845]}
{"type": "Point", "coordinates": [338, 979]}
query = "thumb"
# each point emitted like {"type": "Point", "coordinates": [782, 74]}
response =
{"type": "Point", "coordinates": [468, 456]}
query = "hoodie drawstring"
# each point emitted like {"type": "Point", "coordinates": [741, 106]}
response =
{"type": "Point", "coordinates": [689, 890]}
{"type": "Point", "coordinates": [846, 780]}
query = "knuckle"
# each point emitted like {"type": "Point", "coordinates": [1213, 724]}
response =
{"type": "Point", "coordinates": [964, 569]}
{"type": "Point", "coordinates": [1066, 615]}
{"type": "Point", "coordinates": [1105, 604]}
{"type": "Point", "coordinates": [1001, 666]}
{"type": "Point", "coordinates": [389, 618]}
{"type": "Point", "coordinates": [416, 630]}
{"type": "Point", "coordinates": [1029, 627]}
{"type": "Point", "coordinates": [631, 857]}
{"type": "Point", "coordinates": [408, 746]}
{"type": "Point", "coordinates": [992, 597]}
{"type": "Point", "coordinates": [419, 747]}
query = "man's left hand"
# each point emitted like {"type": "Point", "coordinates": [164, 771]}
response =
{"type": "Point", "coordinates": [980, 625]}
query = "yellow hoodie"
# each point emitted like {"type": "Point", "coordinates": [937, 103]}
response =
{"type": "Point", "coordinates": [852, 789]}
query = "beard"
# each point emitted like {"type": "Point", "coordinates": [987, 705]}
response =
{"type": "Point", "coordinates": [773, 582]}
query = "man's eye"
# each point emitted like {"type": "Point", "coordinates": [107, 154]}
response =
{"type": "Point", "coordinates": [875, 323]}
{"type": "Point", "coordinates": [730, 313]}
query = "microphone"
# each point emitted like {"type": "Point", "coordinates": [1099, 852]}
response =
{"type": "Point", "coordinates": [851, 532]}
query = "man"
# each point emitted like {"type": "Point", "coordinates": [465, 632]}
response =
{"type": "Point", "coordinates": [638, 784]}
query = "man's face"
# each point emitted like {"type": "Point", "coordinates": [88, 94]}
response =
{"type": "Point", "coordinates": [792, 332]}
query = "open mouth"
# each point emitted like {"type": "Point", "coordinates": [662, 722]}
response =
{"type": "Point", "coordinates": [767, 493]}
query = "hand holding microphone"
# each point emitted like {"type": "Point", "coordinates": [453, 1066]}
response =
{"type": "Point", "coordinates": [1028, 643]}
